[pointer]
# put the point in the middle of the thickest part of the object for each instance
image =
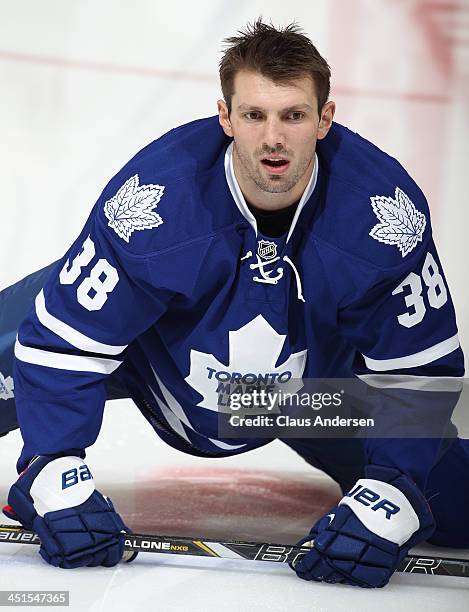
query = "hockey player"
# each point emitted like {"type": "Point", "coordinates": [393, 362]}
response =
{"type": "Point", "coordinates": [268, 239]}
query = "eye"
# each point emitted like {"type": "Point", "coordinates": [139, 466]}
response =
{"type": "Point", "coordinates": [296, 116]}
{"type": "Point", "coordinates": [253, 116]}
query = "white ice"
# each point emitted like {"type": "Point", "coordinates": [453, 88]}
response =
{"type": "Point", "coordinates": [84, 85]}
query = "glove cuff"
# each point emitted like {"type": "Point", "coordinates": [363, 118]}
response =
{"type": "Point", "coordinates": [48, 484]}
{"type": "Point", "coordinates": [403, 493]}
{"type": "Point", "coordinates": [405, 484]}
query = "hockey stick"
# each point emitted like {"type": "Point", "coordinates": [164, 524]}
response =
{"type": "Point", "coordinates": [254, 551]}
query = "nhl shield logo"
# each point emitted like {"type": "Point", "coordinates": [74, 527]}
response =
{"type": "Point", "coordinates": [267, 249]}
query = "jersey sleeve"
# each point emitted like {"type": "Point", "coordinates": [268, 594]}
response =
{"type": "Point", "coordinates": [99, 297]}
{"type": "Point", "coordinates": [406, 321]}
{"type": "Point", "coordinates": [394, 307]}
{"type": "Point", "coordinates": [405, 335]}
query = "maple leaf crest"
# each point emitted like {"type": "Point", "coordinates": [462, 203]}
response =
{"type": "Point", "coordinates": [401, 224]}
{"type": "Point", "coordinates": [132, 208]}
{"type": "Point", "coordinates": [6, 387]}
{"type": "Point", "coordinates": [254, 348]}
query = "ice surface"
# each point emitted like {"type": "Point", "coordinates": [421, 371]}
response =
{"type": "Point", "coordinates": [267, 495]}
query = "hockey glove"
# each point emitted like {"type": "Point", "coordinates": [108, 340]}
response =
{"type": "Point", "coordinates": [77, 526]}
{"type": "Point", "coordinates": [362, 540]}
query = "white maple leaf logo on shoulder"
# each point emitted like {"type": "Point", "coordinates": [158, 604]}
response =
{"type": "Point", "coordinates": [6, 387]}
{"type": "Point", "coordinates": [401, 224]}
{"type": "Point", "coordinates": [132, 208]}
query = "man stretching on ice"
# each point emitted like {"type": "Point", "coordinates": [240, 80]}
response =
{"type": "Point", "coordinates": [267, 239]}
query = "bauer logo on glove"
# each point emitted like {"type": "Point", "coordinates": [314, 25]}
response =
{"type": "Point", "coordinates": [370, 505]}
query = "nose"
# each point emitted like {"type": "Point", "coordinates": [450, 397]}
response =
{"type": "Point", "coordinates": [274, 136]}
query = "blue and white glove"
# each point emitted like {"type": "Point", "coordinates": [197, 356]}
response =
{"type": "Point", "coordinates": [364, 538]}
{"type": "Point", "coordinates": [77, 526]}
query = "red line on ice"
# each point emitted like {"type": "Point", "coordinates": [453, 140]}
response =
{"type": "Point", "coordinates": [143, 71]}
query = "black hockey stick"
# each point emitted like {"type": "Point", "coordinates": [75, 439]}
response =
{"type": "Point", "coordinates": [254, 551]}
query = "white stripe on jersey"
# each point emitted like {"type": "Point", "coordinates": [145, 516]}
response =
{"type": "Point", "coordinates": [71, 335]}
{"type": "Point", "coordinates": [417, 359]}
{"type": "Point", "coordinates": [175, 415]}
{"type": "Point", "coordinates": [418, 383]}
{"type": "Point", "coordinates": [61, 361]}
{"type": "Point", "coordinates": [170, 417]}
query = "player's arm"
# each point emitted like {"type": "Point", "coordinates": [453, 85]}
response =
{"type": "Point", "coordinates": [409, 355]}
{"type": "Point", "coordinates": [95, 302]}
{"type": "Point", "coordinates": [103, 294]}
{"type": "Point", "coordinates": [404, 330]}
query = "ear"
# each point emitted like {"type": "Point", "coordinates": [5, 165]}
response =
{"type": "Point", "coordinates": [325, 122]}
{"type": "Point", "coordinates": [224, 119]}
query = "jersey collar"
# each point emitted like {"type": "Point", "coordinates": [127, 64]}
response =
{"type": "Point", "coordinates": [241, 202]}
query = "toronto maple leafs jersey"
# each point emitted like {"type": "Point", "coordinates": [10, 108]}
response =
{"type": "Point", "coordinates": [172, 287]}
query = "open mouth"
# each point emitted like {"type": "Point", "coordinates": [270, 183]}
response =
{"type": "Point", "coordinates": [275, 165]}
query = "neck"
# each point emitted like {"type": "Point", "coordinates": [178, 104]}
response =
{"type": "Point", "coordinates": [265, 200]}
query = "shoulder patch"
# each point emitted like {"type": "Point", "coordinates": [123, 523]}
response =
{"type": "Point", "coordinates": [6, 387]}
{"type": "Point", "coordinates": [132, 208]}
{"type": "Point", "coordinates": [401, 224]}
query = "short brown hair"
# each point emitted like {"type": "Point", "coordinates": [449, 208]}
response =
{"type": "Point", "coordinates": [281, 55]}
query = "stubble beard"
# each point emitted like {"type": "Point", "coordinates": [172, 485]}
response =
{"type": "Point", "coordinates": [273, 183]}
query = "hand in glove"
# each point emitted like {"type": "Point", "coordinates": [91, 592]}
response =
{"type": "Point", "coordinates": [56, 498]}
{"type": "Point", "coordinates": [364, 538]}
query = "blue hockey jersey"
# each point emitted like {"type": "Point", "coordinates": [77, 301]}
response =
{"type": "Point", "coordinates": [172, 285]}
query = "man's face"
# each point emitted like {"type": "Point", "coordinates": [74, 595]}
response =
{"type": "Point", "coordinates": [275, 128]}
